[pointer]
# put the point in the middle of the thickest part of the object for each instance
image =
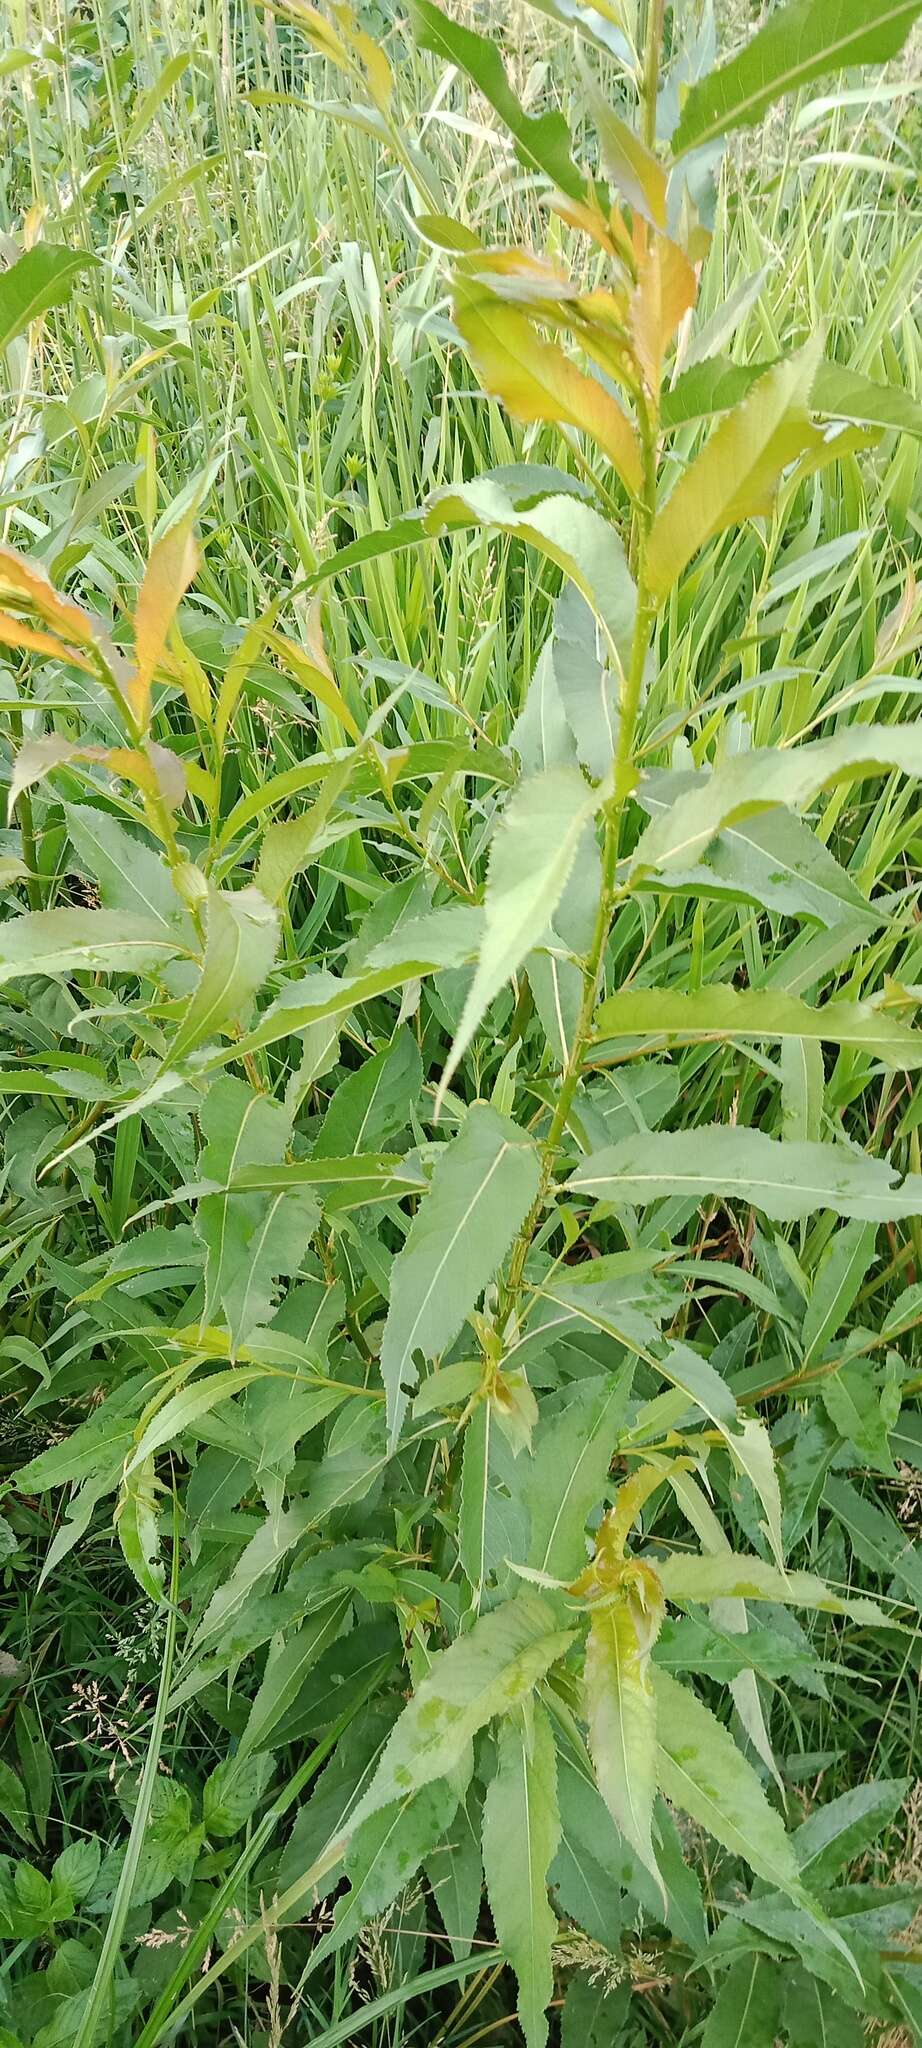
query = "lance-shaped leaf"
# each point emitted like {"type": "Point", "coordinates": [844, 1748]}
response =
{"type": "Point", "coordinates": [836, 1286]}
{"type": "Point", "coordinates": [489, 1671]}
{"type": "Point", "coordinates": [720, 1011]}
{"type": "Point", "coordinates": [702, 1772]}
{"type": "Point", "coordinates": [577, 674]}
{"type": "Point", "coordinates": [724, 1576]}
{"type": "Point", "coordinates": [521, 1830]}
{"type": "Point", "coordinates": [785, 1181]}
{"type": "Point", "coordinates": [542, 141]}
{"type": "Point", "coordinates": [738, 470]}
{"type": "Point", "coordinates": [42, 277]}
{"type": "Point", "coordinates": [748, 783]}
{"type": "Point", "coordinates": [569, 1469]}
{"type": "Point", "coordinates": [482, 1188]}
{"type": "Point", "coordinates": [66, 941]}
{"type": "Point", "coordinates": [129, 874]}
{"type": "Point", "coordinates": [747, 2013]}
{"type": "Point", "coordinates": [798, 43]}
{"type": "Point", "coordinates": [536, 380]}
{"type": "Point", "coordinates": [251, 1239]}
{"type": "Point", "coordinates": [172, 564]}
{"type": "Point", "coordinates": [241, 944]}
{"type": "Point", "coordinates": [531, 860]}
{"type": "Point", "coordinates": [842, 1829]}
{"type": "Point", "coordinates": [570, 533]}
{"type": "Point", "coordinates": [621, 1708]}
{"type": "Point", "coordinates": [138, 1524]}
{"type": "Point", "coordinates": [373, 1102]}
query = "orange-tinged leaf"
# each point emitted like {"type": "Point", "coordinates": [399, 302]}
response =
{"type": "Point", "coordinates": [15, 633]}
{"type": "Point", "coordinates": [519, 274]}
{"type": "Point", "coordinates": [666, 288]}
{"type": "Point", "coordinates": [608, 231]}
{"type": "Point", "coordinates": [738, 470]}
{"type": "Point", "coordinates": [538, 382]}
{"type": "Point", "coordinates": [27, 584]}
{"type": "Point", "coordinates": [157, 772]}
{"type": "Point", "coordinates": [172, 563]}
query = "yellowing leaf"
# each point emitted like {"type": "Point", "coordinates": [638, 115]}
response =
{"type": "Point", "coordinates": [313, 671]}
{"type": "Point", "coordinates": [738, 470]}
{"type": "Point", "coordinates": [15, 633]}
{"type": "Point", "coordinates": [537, 381]}
{"type": "Point", "coordinates": [639, 176]}
{"type": "Point", "coordinates": [28, 585]}
{"type": "Point", "coordinates": [489, 1671]}
{"type": "Point", "coordinates": [171, 566]}
{"type": "Point", "coordinates": [665, 290]}
{"type": "Point", "coordinates": [621, 1708]}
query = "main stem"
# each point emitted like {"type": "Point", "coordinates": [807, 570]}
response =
{"type": "Point", "coordinates": [623, 768]}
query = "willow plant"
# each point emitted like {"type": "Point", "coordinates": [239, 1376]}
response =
{"type": "Point", "coordinates": [486, 1400]}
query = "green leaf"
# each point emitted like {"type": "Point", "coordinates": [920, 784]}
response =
{"type": "Point", "coordinates": [474, 1505]}
{"type": "Point", "coordinates": [621, 1712]}
{"type": "Point", "coordinates": [489, 1671]}
{"type": "Point", "coordinates": [570, 533]}
{"type": "Point", "coordinates": [738, 470]}
{"type": "Point", "coordinates": [851, 1398]}
{"type": "Point", "coordinates": [836, 1285]}
{"type": "Point", "coordinates": [250, 1238]}
{"type": "Point", "coordinates": [232, 1793]}
{"type": "Point", "coordinates": [241, 944]}
{"type": "Point", "coordinates": [877, 1539]}
{"type": "Point", "coordinates": [785, 1181]}
{"type": "Point", "coordinates": [65, 941]}
{"type": "Point", "coordinates": [798, 43]}
{"type": "Point", "coordinates": [747, 2013]}
{"type": "Point", "coordinates": [571, 1462]}
{"type": "Point", "coordinates": [840, 1831]}
{"type": "Point", "coordinates": [137, 1522]}
{"type": "Point", "coordinates": [185, 1408]}
{"type": "Point", "coordinates": [289, 846]}
{"type": "Point", "coordinates": [592, 2017]}
{"type": "Point", "coordinates": [13, 1804]}
{"type": "Point", "coordinates": [319, 996]}
{"type": "Point", "coordinates": [596, 24]}
{"type": "Point", "coordinates": [747, 783]}
{"type": "Point", "coordinates": [35, 1762]}
{"type": "Point", "coordinates": [285, 1674]}
{"type": "Point", "coordinates": [586, 687]}
{"type": "Point", "coordinates": [373, 1102]}
{"type": "Point", "coordinates": [845, 395]}
{"type": "Point", "coordinates": [721, 1011]}
{"type": "Point", "coordinates": [455, 1873]}
{"type": "Point", "coordinates": [383, 1853]}
{"type": "Point", "coordinates": [521, 1830]}
{"type": "Point", "coordinates": [702, 1772]}
{"type": "Point", "coordinates": [542, 141]}
{"type": "Point", "coordinates": [41, 277]}
{"type": "Point", "coordinates": [130, 875]}
{"type": "Point", "coordinates": [814, 2014]}
{"type": "Point", "coordinates": [724, 1576]}
{"type": "Point", "coordinates": [531, 860]}
{"type": "Point", "coordinates": [482, 1188]}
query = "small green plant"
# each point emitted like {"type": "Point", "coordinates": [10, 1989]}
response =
{"type": "Point", "coordinates": [459, 1346]}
